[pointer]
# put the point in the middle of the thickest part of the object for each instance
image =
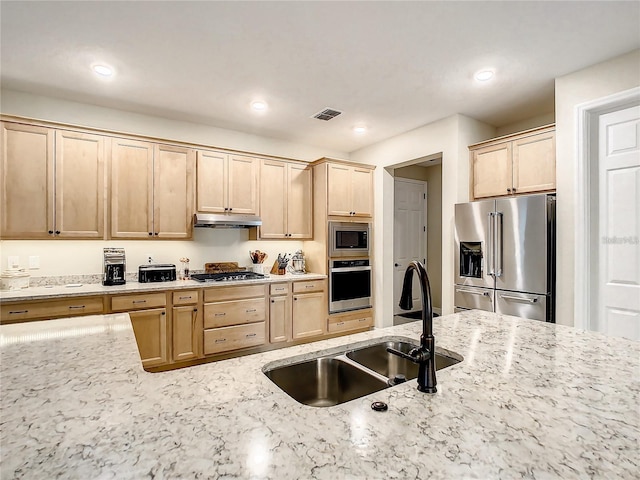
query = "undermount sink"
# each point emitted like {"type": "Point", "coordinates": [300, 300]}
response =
{"type": "Point", "coordinates": [337, 378]}
{"type": "Point", "coordinates": [379, 360]}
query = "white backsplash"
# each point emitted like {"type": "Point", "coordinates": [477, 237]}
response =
{"type": "Point", "coordinates": [84, 257]}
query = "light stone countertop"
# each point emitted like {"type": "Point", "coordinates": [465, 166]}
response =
{"type": "Point", "coordinates": [530, 400]}
{"type": "Point", "coordinates": [88, 289]}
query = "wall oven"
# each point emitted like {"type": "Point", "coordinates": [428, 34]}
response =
{"type": "Point", "coordinates": [348, 239]}
{"type": "Point", "coordinates": [349, 285]}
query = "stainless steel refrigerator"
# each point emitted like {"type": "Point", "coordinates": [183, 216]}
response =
{"type": "Point", "coordinates": [505, 256]}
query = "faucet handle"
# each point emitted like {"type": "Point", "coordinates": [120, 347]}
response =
{"type": "Point", "coordinates": [416, 355]}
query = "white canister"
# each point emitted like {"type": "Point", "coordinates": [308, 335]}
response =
{"type": "Point", "coordinates": [14, 279]}
{"type": "Point", "coordinates": [257, 268]}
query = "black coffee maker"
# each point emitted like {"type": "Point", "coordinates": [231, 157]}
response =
{"type": "Point", "coordinates": [114, 267]}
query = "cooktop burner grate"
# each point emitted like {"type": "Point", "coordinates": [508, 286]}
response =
{"type": "Point", "coordinates": [226, 277]}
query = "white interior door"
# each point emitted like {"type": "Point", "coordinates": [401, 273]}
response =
{"type": "Point", "coordinates": [619, 224]}
{"type": "Point", "coordinates": [409, 235]}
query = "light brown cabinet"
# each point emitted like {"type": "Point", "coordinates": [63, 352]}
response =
{"type": "Point", "coordinates": [518, 164]}
{"type": "Point", "coordinates": [350, 190]}
{"type": "Point", "coordinates": [151, 190]}
{"type": "Point", "coordinates": [286, 200]}
{"type": "Point", "coordinates": [279, 312]}
{"type": "Point", "coordinates": [309, 316]}
{"type": "Point", "coordinates": [186, 326]}
{"type": "Point", "coordinates": [351, 321]}
{"type": "Point", "coordinates": [46, 309]}
{"type": "Point", "coordinates": [150, 324]}
{"type": "Point", "coordinates": [234, 318]}
{"type": "Point", "coordinates": [227, 183]}
{"type": "Point", "coordinates": [52, 183]}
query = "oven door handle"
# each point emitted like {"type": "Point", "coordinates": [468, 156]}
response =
{"type": "Point", "coordinates": [350, 269]}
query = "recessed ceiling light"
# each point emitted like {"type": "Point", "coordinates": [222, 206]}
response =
{"type": "Point", "coordinates": [259, 106]}
{"type": "Point", "coordinates": [102, 70]}
{"type": "Point", "coordinates": [483, 75]}
{"type": "Point", "coordinates": [360, 129]}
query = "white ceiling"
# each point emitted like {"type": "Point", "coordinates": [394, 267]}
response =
{"type": "Point", "coordinates": [392, 66]}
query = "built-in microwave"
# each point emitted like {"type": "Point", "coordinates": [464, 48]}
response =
{"type": "Point", "coordinates": [348, 239]}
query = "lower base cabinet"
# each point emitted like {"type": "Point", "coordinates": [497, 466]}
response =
{"type": "Point", "coordinates": [185, 328]}
{"type": "Point", "coordinates": [309, 315]}
{"type": "Point", "coordinates": [346, 322]}
{"type": "Point", "coordinates": [150, 328]}
{"type": "Point", "coordinates": [224, 339]}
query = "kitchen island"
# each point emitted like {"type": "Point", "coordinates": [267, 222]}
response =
{"type": "Point", "coordinates": [529, 400]}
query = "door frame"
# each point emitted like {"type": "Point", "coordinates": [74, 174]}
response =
{"type": "Point", "coordinates": [425, 237]}
{"type": "Point", "coordinates": [588, 115]}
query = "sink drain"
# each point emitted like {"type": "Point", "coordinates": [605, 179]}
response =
{"type": "Point", "coordinates": [379, 406]}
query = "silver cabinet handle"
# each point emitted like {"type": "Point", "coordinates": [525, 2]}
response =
{"type": "Point", "coordinates": [519, 299]}
{"type": "Point", "coordinates": [16, 312]}
{"type": "Point", "coordinates": [472, 292]}
{"type": "Point", "coordinates": [185, 298]}
{"type": "Point", "coordinates": [250, 310]}
{"type": "Point", "coordinates": [249, 335]}
{"type": "Point", "coordinates": [219, 314]}
{"type": "Point", "coordinates": [76, 307]}
{"type": "Point", "coordinates": [139, 301]}
{"type": "Point", "coordinates": [220, 340]}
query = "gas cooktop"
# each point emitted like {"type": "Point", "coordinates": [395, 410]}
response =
{"type": "Point", "coordinates": [226, 277]}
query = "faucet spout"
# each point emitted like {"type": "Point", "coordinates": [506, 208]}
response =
{"type": "Point", "coordinates": [424, 355]}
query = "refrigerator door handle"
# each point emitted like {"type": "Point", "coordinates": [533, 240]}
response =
{"type": "Point", "coordinates": [498, 243]}
{"type": "Point", "coordinates": [490, 232]}
{"type": "Point", "coordinates": [464, 290]}
{"type": "Point", "coordinates": [519, 299]}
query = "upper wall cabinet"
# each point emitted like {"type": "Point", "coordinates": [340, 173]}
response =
{"type": "Point", "coordinates": [151, 190]}
{"type": "Point", "coordinates": [350, 190]}
{"type": "Point", "coordinates": [53, 183]}
{"type": "Point", "coordinates": [227, 183]}
{"type": "Point", "coordinates": [517, 164]}
{"type": "Point", "coordinates": [285, 200]}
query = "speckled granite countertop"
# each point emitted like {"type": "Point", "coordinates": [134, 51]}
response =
{"type": "Point", "coordinates": [530, 400]}
{"type": "Point", "coordinates": [62, 291]}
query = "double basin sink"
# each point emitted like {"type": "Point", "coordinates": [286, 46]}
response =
{"type": "Point", "coordinates": [333, 379]}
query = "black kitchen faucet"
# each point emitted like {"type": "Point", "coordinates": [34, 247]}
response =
{"type": "Point", "coordinates": [424, 355]}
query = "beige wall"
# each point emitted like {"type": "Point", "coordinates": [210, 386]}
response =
{"type": "Point", "coordinates": [533, 122]}
{"type": "Point", "coordinates": [448, 138]}
{"type": "Point", "coordinates": [433, 176]}
{"type": "Point", "coordinates": [56, 110]}
{"type": "Point", "coordinates": [607, 78]}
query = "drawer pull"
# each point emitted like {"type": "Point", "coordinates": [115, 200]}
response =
{"type": "Point", "coordinates": [17, 312]}
{"type": "Point", "coordinates": [139, 301]}
{"type": "Point", "coordinates": [362, 319]}
{"type": "Point", "coordinates": [185, 298]}
{"type": "Point", "coordinates": [309, 286]}
{"type": "Point", "coordinates": [249, 335]}
{"type": "Point", "coordinates": [72, 307]}
{"type": "Point", "coordinates": [220, 340]}
{"type": "Point", "coordinates": [219, 314]}
{"type": "Point", "coordinates": [250, 310]}
{"type": "Point", "coordinates": [279, 289]}
{"type": "Point", "coordinates": [340, 323]}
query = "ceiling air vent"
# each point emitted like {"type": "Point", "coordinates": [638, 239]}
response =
{"type": "Point", "coordinates": [327, 114]}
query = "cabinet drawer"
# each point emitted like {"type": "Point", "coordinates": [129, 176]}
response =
{"type": "Point", "coordinates": [234, 293]}
{"type": "Point", "coordinates": [350, 323]}
{"type": "Point", "coordinates": [308, 286]}
{"type": "Point", "coordinates": [70, 307]}
{"type": "Point", "coordinates": [237, 312]}
{"type": "Point", "coordinates": [136, 302]}
{"type": "Point", "coordinates": [278, 289]}
{"type": "Point", "coordinates": [223, 339]}
{"type": "Point", "coordinates": [186, 297]}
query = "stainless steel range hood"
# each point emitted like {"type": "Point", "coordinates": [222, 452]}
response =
{"type": "Point", "coordinates": [220, 220]}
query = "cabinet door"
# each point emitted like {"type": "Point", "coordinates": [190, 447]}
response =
{"type": "Point", "coordinates": [212, 183]}
{"type": "Point", "coordinates": [243, 184]}
{"type": "Point", "coordinates": [150, 327]}
{"type": "Point", "coordinates": [534, 163]}
{"type": "Point", "coordinates": [26, 180]}
{"type": "Point", "coordinates": [273, 199]}
{"type": "Point", "coordinates": [173, 185]}
{"type": "Point", "coordinates": [131, 189]}
{"type": "Point", "coordinates": [339, 190]}
{"type": "Point", "coordinates": [492, 175]}
{"type": "Point", "coordinates": [279, 319]}
{"type": "Point", "coordinates": [80, 190]}
{"type": "Point", "coordinates": [309, 318]}
{"type": "Point", "coordinates": [186, 333]}
{"type": "Point", "coordinates": [299, 201]}
{"type": "Point", "coordinates": [362, 192]}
